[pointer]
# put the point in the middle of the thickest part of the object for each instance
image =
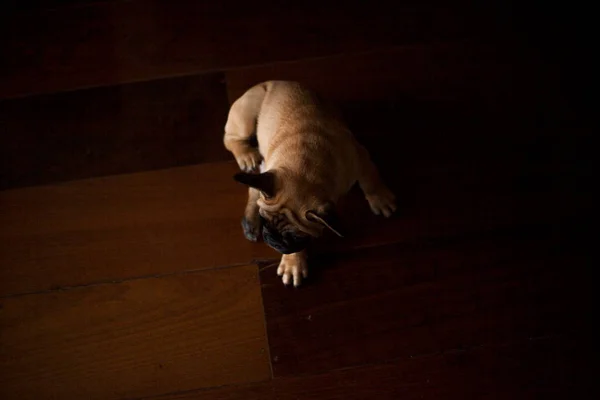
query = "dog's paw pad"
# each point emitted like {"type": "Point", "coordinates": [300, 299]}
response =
{"type": "Point", "coordinates": [251, 229]}
{"type": "Point", "coordinates": [292, 269]}
{"type": "Point", "coordinates": [249, 161]}
{"type": "Point", "coordinates": [382, 202]}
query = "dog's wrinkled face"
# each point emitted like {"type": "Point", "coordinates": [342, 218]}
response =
{"type": "Point", "coordinates": [285, 226]}
{"type": "Point", "coordinates": [290, 214]}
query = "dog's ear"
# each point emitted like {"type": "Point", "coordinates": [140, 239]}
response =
{"type": "Point", "coordinates": [327, 218]}
{"type": "Point", "coordinates": [264, 182]}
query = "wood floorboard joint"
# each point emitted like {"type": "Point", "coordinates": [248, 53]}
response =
{"type": "Point", "coordinates": [374, 50]}
{"type": "Point", "coordinates": [199, 390]}
{"type": "Point", "coordinates": [518, 229]}
{"type": "Point", "coordinates": [432, 354]}
{"type": "Point", "coordinates": [264, 314]}
{"type": "Point", "coordinates": [118, 281]}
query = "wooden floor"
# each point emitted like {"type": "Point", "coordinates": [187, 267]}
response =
{"type": "Point", "coordinates": [124, 273]}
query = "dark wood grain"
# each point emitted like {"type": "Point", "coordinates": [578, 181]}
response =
{"type": "Point", "coordinates": [412, 299]}
{"type": "Point", "coordinates": [120, 227]}
{"type": "Point", "coordinates": [123, 41]}
{"type": "Point", "coordinates": [429, 70]}
{"type": "Point", "coordinates": [134, 338]}
{"type": "Point", "coordinates": [492, 74]}
{"type": "Point", "coordinates": [451, 182]}
{"type": "Point", "coordinates": [113, 130]}
{"type": "Point", "coordinates": [532, 369]}
{"type": "Point", "coordinates": [454, 175]}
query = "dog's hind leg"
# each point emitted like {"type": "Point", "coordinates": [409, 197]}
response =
{"type": "Point", "coordinates": [381, 200]}
{"type": "Point", "coordinates": [241, 128]}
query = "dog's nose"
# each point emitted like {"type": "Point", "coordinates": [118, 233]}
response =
{"type": "Point", "coordinates": [285, 244]}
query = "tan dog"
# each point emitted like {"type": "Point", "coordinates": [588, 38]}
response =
{"type": "Point", "coordinates": [308, 159]}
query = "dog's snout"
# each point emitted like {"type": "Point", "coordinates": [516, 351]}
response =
{"type": "Point", "coordinates": [285, 243]}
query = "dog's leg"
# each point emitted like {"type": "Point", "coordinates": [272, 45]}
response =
{"type": "Point", "coordinates": [293, 267]}
{"type": "Point", "coordinates": [241, 126]}
{"type": "Point", "coordinates": [251, 221]}
{"type": "Point", "coordinates": [380, 198]}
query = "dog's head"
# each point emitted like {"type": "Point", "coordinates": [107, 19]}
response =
{"type": "Point", "coordinates": [292, 210]}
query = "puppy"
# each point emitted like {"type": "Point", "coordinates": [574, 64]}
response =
{"type": "Point", "coordinates": [307, 159]}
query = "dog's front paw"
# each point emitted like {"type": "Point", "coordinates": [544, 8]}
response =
{"type": "Point", "coordinates": [249, 160]}
{"type": "Point", "coordinates": [251, 229]}
{"type": "Point", "coordinates": [382, 201]}
{"type": "Point", "coordinates": [293, 267]}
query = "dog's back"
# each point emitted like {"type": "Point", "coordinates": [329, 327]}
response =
{"type": "Point", "coordinates": [300, 132]}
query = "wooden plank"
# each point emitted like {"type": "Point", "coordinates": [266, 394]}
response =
{"type": "Point", "coordinates": [449, 177]}
{"type": "Point", "coordinates": [489, 74]}
{"type": "Point", "coordinates": [112, 130]}
{"type": "Point", "coordinates": [407, 300]}
{"type": "Point", "coordinates": [550, 368]}
{"type": "Point", "coordinates": [12, 6]}
{"type": "Point", "coordinates": [188, 218]}
{"type": "Point", "coordinates": [429, 70]}
{"type": "Point", "coordinates": [136, 338]}
{"type": "Point", "coordinates": [117, 42]}
{"type": "Point", "coordinates": [137, 225]}
{"type": "Point", "coordinates": [458, 181]}
{"type": "Point", "coordinates": [15, 6]}
{"type": "Point", "coordinates": [121, 227]}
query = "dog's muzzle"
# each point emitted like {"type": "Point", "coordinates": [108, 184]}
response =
{"type": "Point", "coordinates": [286, 243]}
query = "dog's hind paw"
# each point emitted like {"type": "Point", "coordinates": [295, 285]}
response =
{"type": "Point", "coordinates": [382, 202]}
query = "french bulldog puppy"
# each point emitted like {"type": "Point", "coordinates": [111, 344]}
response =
{"type": "Point", "coordinates": [305, 161]}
